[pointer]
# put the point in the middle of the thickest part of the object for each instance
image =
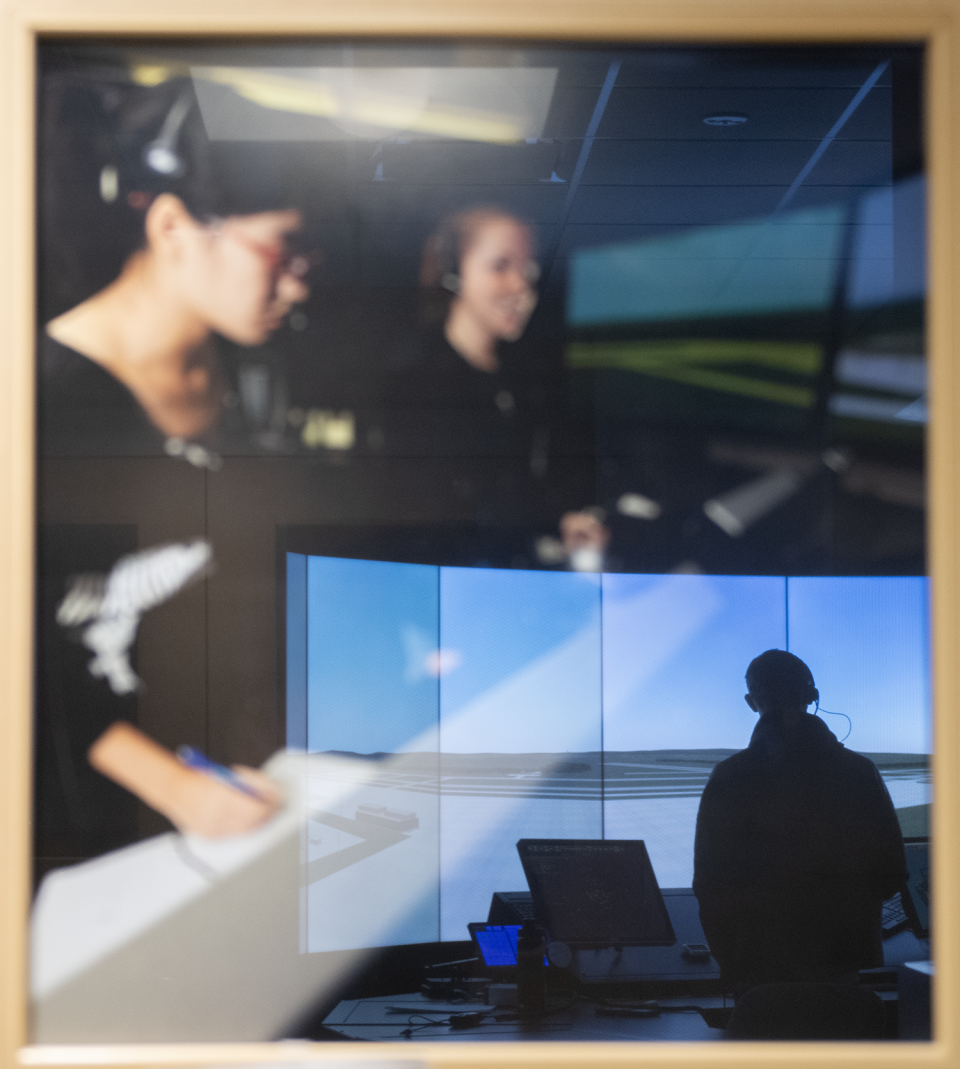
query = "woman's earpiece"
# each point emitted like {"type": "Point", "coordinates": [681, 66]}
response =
{"type": "Point", "coordinates": [450, 281]}
{"type": "Point", "coordinates": [161, 154]}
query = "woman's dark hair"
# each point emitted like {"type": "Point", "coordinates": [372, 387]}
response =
{"type": "Point", "coordinates": [108, 148]}
{"type": "Point", "coordinates": [443, 253]}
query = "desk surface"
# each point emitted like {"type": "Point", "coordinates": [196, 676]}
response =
{"type": "Point", "coordinates": [371, 1019]}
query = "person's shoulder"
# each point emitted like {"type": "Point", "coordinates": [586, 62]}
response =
{"type": "Point", "coordinates": [64, 372]}
{"type": "Point", "coordinates": [84, 410]}
{"type": "Point", "coordinates": [732, 768]}
{"type": "Point", "coordinates": [856, 762]}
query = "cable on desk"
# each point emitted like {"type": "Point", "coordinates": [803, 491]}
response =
{"type": "Point", "coordinates": [476, 1019]}
{"type": "Point", "coordinates": [392, 1010]}
{"type": "Point", "coordinates": [641, 1008]}
{"type": "Point", "coordinates": [410, 1030]}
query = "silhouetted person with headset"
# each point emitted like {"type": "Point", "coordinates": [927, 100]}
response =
{"type": "Point", "coordinates": [797, 844]}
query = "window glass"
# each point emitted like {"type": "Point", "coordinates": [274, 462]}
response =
{"type": "Point", "coordinates": [430, 436]}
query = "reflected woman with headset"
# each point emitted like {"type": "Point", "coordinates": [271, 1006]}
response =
{"type": "Point", "coordinates": [464, 389]}
{"type": "Point", "coordinates": [155, 242]}
{"type": "Point", "coordinates": [468, 394]}
{"type": "Point", "coordinates": [481, 263]}
{"type": "Point", "coordinates": [204, 250]}
{"type": "Point", "coordinates": [460, 391]}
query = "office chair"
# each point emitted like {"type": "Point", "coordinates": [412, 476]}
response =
{"type": "Point", "coordinates": [807, 1011]}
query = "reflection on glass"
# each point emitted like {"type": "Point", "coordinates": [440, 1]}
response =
{"type": "Point", "coordinates": [201, 252]}
{"type": "Point", "coordinates": [609, 376]}
{"type": "Point", "coordinates": [479, 270]}
{"type": "Point", "coordinates": [534, 743]}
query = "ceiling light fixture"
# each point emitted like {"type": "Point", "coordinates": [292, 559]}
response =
{"type": "Point", "coordinates": [725, 120]}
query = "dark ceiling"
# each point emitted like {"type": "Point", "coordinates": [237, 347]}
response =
{"type": "Point", "coordinates": [652, 168]}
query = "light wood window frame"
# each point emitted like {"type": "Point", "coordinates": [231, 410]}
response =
{"type": "Point", "coordinates": [934, 23]}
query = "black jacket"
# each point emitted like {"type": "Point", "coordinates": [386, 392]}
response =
{"type": "Point", "coordinates": [797, 846]}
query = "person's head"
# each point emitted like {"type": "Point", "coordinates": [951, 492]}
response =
{"type": "Point", "coordinates": [779, 684]}
{"type": "Point", "coordinates": [584, 529]}
{"type": "Point", "coordinates": [585, 538]}
{"type": "Point", "coordinates": [236, 274]}
{"type": "Point", "coordinates": [480, 264]}
{"type": "Point", "coordinates": [215, 218]}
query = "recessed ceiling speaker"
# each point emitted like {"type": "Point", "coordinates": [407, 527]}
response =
{"type": "Point", "coordinates": [725, 120]}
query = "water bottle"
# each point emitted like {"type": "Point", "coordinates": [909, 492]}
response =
{"type": "Point", "coordinates": [531, 992]}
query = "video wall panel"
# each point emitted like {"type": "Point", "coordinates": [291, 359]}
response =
{"type": "Point", "coordinates": [499, 704]}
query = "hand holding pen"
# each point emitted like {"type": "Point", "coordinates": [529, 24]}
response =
{"type": "Point", "coordinates": [196, 794]}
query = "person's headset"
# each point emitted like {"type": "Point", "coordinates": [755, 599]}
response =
{"type": "Point", "coordinates": [447, 247]}
{"type": "Point", "coordinates": [446, 257]}
{"type": "Point", "coordinates": [812, 696]}
{"type": "Point", "coordinates": [162, 155]}
{"type": "Point", "coordinates": [810, 693]}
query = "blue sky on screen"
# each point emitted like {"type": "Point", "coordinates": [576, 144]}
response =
{"type": "Point", "coordinates": [866, 641]}
{"type": "Point", "coordinates": [528, 647]}
{"type": "Point", "coordinates": [404, 657]}
{"type": "Point", "coordinates": [675, 650]}
{"type": "Point", "coordinates": [371, 626]}
{"type": "Point", "coordinates": [510, 660]}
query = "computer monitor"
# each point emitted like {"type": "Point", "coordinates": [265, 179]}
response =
{"type": "Point", "coordinates": [486, 705]}
{"type": "Point", "coordinates": [596, 893]}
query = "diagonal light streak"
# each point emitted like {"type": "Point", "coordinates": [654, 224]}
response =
{"type": "Point", "coordinates": [818, 152]}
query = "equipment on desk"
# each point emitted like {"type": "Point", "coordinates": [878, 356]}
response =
{"type": "Point", "coordinates": [531, 986]}
{"type": "Point", "coordinates": [672, 1019]}
{"type": "Point", "coordinates": [916, 894]}
{"type": "Point", "coordinates": [596, 893]}
{"type": "Point", "coordinates": [606, 917]}
{"type": "Point", "coordinates": [695, 952]}
{"type": "Point", "coordinates": [454, 989]}
{"type": "Point", "coordinates": [497, 946]}
{"type": "Point", "coordinates": [680, 964]}
{"type": "Point", "coordinates": [511, 907]}
{"type": "Point", "coordinates": [455, 981]}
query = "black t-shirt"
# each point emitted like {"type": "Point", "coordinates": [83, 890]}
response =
{"type": "Point", "coordinates": [438, 404]}
{"type": "Point", "coordinates": [85, 415]}
{"type": "Point", "coordinates": [84, 411]}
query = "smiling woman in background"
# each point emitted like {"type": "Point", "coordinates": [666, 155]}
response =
{"type": "Point", "coordinates": [463, 391]}
{"type": "Point", "coordinates": [476, 292]}
{"type": "Point", "coordinates": [480, 264]}
{"type": "Point", "coordinates": [469, 389]}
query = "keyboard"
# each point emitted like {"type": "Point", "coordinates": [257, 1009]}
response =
{"type": "Point", "coordinates": [893, 917]}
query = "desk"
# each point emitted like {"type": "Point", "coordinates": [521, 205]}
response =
{"type": "Point", "coordinates": [368, 1019]}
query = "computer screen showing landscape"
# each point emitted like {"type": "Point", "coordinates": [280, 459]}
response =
{"type": "Point", "coordinates": [479, 706]}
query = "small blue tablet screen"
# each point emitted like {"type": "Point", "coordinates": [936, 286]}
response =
{"type": "Point", "coordinates": [498, 944]}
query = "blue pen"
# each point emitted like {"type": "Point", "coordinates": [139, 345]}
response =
{"type": "Point", "coordinates": [194, 758]}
